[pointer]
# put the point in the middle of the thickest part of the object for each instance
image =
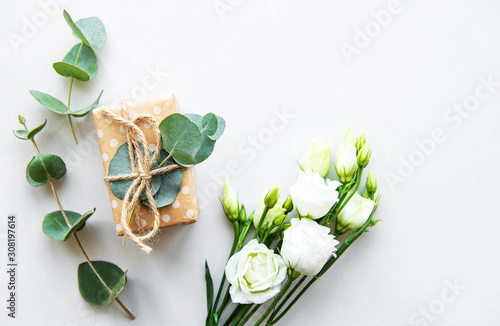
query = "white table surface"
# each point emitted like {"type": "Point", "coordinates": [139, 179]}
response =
{"type": "Point", "coordinates": [276, 71]}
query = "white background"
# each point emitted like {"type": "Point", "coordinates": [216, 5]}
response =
{"type": "Point", "coordinates": [253, 62]}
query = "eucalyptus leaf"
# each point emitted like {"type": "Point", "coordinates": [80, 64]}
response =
{"type": "Point", "coordinates": [35, 131]}
{"type": "Point", "coordinates": [86, 63]}
{"type": "Point", "coordinates": [181, 137]}
{"type": "Point", "coordinates": [21, 119]}
{"type": "Point", "coordinates": [93, 30]}
{"type": "Point", "coordinates": [209, 124]}
{"type": "Point", "coordinates": [92, 289]}
{"type": "Point", "coordinates": [85, 111]}
{"type": "Point", "coordinates": [45, 166]}
{"type": "Point", "coordinates": [207, 144]}
{"type": "Point", "coordinates": [55, 226]}
{"type": "Point", "coordinates": [31, 182]}
{"type": "Point", "coordinates": [21, 134]}
{"type": "Point", "coordinates": [221, 126]}
{"type": "Point", "coordinates": [170, 183]}
{"type": "Point", "coordinates": [77, 32]}
{"type": "Point", "coordinates": [50, 102]}
{"type": "Point", "coordinates": [120, 165]}
{"type": "Point", "coordinates": [69, 70]}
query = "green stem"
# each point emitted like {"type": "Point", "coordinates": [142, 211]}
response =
{"type": "Point", "coordinates": [288, 283]}
{"type": "Point", "coordinates": [69, 95]}
{"type": "Point", "coordinates": [129, 219]}
{"type": "Point", "coordinates": [169, 156]}
{"type": "Point", "coordinates": [261, 221]}
{"type": "Point", "coordinates": [243, 308]}
{"type": "Point", "coordinates": [288, 296]}
{"type": "Point", "coordinates": [250, 314]}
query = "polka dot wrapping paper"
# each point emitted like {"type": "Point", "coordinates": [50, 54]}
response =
{"type": "Point", "coordinates": [184, 210]}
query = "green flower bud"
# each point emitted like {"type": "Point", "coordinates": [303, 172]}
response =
{"type": "Point", "coordinates": [243, 214]}
{"type": "Point", "coordinates": [361, 142]}
{"type": "Point", "coordinates": [371, 183]}
{"type": "Point", "coordinates": [230, 202]}
{"type": "Point", "coordinates": [346, 162]}
{"type": "Point", "coordinates": [364, 155]}
{"type": "Point", "coordinates": [317, 157]}
{"type": "Point", "coordinates": [278, 220]}
{"type": "Point", "coordinates": [272, 197]}
{"type": "Point", "coordinates": [288, 205]}
{"type": "Point", "coordinates": [286, 225]}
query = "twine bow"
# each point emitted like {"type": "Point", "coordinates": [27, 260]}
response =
{"type": "Point", "coordinates": [141, 164]}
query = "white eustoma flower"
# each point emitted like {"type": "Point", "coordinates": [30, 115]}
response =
{"type": "Point", "coordinates": [317, 157]}
{"type": "Point", "coordinates": [312, 195]}
{"type": "Point", "coordinates": [307, 246]}
{"type": "Point", "coordinates": [255, 274]}
{"type": "Point", "coordinates": [346, 162]}
{"type": "Point", "coordinates": [354, 214]}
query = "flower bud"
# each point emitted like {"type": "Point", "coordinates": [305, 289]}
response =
{"type": "Point", "coordinates": [317, 157]}
{"type": "Point", "coordinates": [371, 183]}
{"type": "Point", "coordinates": [287, 225]}
{"type": "Point", "coordinates": [364, 155]}
{"type": "Point", "coordinates": [243, 214]}
{"type": "Point", "coordinates": [272, 197]}
{"type": "Point", "coordinates": [278, 220]}
{"type": "Point", "coordinates": [361, 141]}
{"type": "Point", "coordinates": [288, 205]}
{"type": "Point", "coordinates": [272, 212]}
{"type": "Point", "coordinates": [346, 163]}
{"type": "Point", "coordinates": [230, 202]}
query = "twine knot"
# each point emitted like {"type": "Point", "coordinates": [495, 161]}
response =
{"type": "Point", "coordinates": [141, 164]}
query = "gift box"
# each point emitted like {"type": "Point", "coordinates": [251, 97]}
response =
{"type": "Point", "coordinates": [111, 134]}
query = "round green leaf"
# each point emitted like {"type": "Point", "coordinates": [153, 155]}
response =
{"type": "Point", "coordinates": [93, 30]}
{"type": "Point", "coordinates": [68, 70]}
{"type": "Point", "coordinates": [43, 166]}
{"type": "Point", "coordinates": [209, 124]}
{"type": "Point", "coordinates": [85, 65]}
{"type": "Point", "coordinates": [35, 131]}
{"type": "Point", "coordinates": [120, 165]}
{"type": "Point", "coordinates": [30, 181]}
{"type": "Point", "coordinates": [93, 290]}
{"type": "Point", "coordinates": [55, 227]}
{"type": "Point", "coordinates": [181, 137]}
{"type": "Point", "coordinates": [50, 102]}
{"type": "Point", "coordinates": [221, 126]}
{"type": "Point", "coordinates": [207, 144]}
{"type": "Point", "coordinates": [170, 183]}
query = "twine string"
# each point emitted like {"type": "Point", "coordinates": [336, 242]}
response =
{"type": "Point", "coordinates": [141, 164]}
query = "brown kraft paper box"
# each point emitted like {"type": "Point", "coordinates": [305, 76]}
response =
{"type": "Point", "coordinates": [184, 210]}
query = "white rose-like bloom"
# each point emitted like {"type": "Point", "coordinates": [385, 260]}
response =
{"type": "Point", "coordinates": [255, 274]}
{"type": "Point", "coordinates": [312, 195]}
{"type": "Point", "coordinates": [354, 214]}
{"type": "Point", "coordinates": [307, 246]}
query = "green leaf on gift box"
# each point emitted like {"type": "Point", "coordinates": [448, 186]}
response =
{"type": "Point", "coordinates": [86, 65]}
{"type": "Point", "coordinates": [120, 165]}
{"type": "Point", "coordinates": [44, 166]}
{"type": "Point", "coordinates": [55, 227]}
{"type": "Point", "coordinates": [221, 126]}
{"type": "Point", "coordinates": [209, 124]}
{"type": "Point", "coordinates": [207, 144]}
{"type": "Point", "coordinates": [170, 183]}
{"type": "Point", "coordinates": [50, 102]}
{"type": "Point", "coordinates": [98, 291]}
{"type": "Point", "coordinates": [21, 134]}
{"type": "Point", "coordinates": [76, 31]}
{"type": "Point", "coordinates": [181, 137]}
{"type": "Point", "coordinates": [35, 131]}
{"type": "Point", "coordinates": [85, 111]}
{"type": "Point", "coordinates": [93, 30]}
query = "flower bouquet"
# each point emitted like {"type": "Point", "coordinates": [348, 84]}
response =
{"type": "Point", "coordinates": [288, 254]}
